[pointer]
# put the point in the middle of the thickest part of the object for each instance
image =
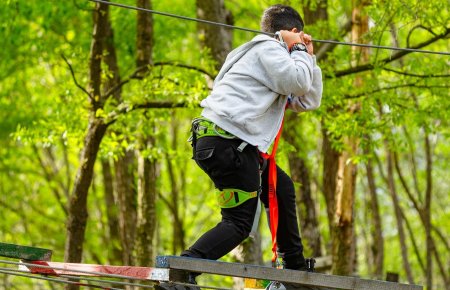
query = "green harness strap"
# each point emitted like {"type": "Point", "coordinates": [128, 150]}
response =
{"type": "Point", "coordinates": [203, 127]}
{"type": "Point", "coordinates": [228, 197]}
{"type": "Point", "coordinates": [231, 197]}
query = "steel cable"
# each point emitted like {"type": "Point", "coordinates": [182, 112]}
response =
{"type": "Point", "coordinates": [4, 270]}
{"type": "Point", "coordinates": [262, 32]}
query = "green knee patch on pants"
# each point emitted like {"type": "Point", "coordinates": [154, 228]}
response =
{"type": "Point", "coordinates": [231, 197]}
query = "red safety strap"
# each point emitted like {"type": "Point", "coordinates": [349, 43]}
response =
{"type": "Point", "coordinates": [273, 202]}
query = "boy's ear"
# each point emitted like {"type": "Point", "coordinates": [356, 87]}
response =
{"type": "Point", "coordinates": [295, 30]}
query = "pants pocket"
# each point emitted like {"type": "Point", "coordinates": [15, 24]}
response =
{"type": "Point", "coordinates": [218, 161]}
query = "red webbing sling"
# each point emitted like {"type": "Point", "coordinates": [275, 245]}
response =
{"type": "Point", "coordinates": [272, 194]}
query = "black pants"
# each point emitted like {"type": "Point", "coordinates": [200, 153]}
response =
{"type": "Point", "coordinates": [230, 168]}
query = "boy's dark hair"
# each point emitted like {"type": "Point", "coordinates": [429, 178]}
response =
{"type": "Point", "coordinates": [281, 17]}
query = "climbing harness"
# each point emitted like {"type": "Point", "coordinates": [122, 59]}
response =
{"type": "Point", "coordinates": [231, 197]}
{"type": "Point", "coordinates": [227, 197]}
{"type": "Point", "coordinates": [202, 127]}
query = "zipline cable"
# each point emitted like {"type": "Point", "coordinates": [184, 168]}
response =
{"type": "Point", "coordinates": [72, 270]}
{"type": "Point", "coordinates": [262, 32]}
{"type": "Point", "coordinates": [89, 279]}
{"type": "Point", "coordinates": [15, 273]}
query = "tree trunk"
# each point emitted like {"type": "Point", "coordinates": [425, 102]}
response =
{"type": "Point", "coordinates": [127, 199]}
{"type": "Point", "coordinates": [144, 39]}
{"type": "Point", "coordinates": [178, 235]}
{"type": "Point", "coordinates": [77, 219]}
{"type": "Point", "coordinates": [427, 210]}
{"type": "Point", "coordinates": [78, 202]}
{"type": "Point", "coordinates": [177, 196]}
{"type": "Point", "coordinates": [344, 249]}
{"type": "Point", "coordinates": [306, 205]}
{"type": "Point", "coordinates": [113, 78]}
{"type": "Point", "coordinates": [147, 169]}
{"type": "Point", "coordinates": [115, 252]}
{"type": "Point", "coordinates": [398, 215]}
{"type": "Point", "coordinates": [330, 169]}
{"type": "Point", "coordinates": [216, 38]}
{"type": "Point", "coordinates": [377, 247]}
{"type": "Point", "coordinates": [146, 222]}
{"type": "Point", "coordinates": [312, 15]}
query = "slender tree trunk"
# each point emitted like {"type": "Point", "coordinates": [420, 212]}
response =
{"type": "Point", "coordinates": [147, 168]}
{"type": "Point", "coordinates": [127, 200]}
{"type": "Point", "coordinates": [427, 210]}
{"type": "Point", "coordinates": [146, 227]}
{"type": "Point", "coordinates": [330, 170]}
{"type": "Point", "coordinates": [306, 205]}
{"type": "Point", "coordinates": [377, 246]}
{"type": "Point", "coordinates": [178, 235]}
{"type": "Point", "coordinates": [216, 38]}
{"type": "Point", "coordinates": [113, 78]}
{"type": "Point", "coordinates": [78, 203]}
{"type": "Point", "coordinates": [343, 249]}
{"type": "Point", "coordinates": [399, 218]}
{"type": "Point", "coordinates": [144, 39]}
{"type": "Point", "coordinates": [115, 252]}
{"type": "Point", "coordinates": [77, 218]}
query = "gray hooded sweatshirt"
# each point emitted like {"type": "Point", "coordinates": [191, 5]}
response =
{"type": "Point", "coordinates": [254, 85]}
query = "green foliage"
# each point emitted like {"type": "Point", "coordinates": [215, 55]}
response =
{"type": "Point", "coordinates": [44, 116]}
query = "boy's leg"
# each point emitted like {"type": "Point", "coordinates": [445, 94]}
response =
{"type": "Point", "coordinates": [225, 236]}
{"type": "Point", "coordinates": [228, 168]}
{"type": "Point", "coordinates": [288, 236]}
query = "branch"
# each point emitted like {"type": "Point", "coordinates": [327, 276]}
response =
{"type": "Point", "coordinates": [392, 88]}
{"type": "Point", "coordinates": [112, 117]}
{"type": "Point", "coordinates": [393, 57]}
{"type": "Point", "coordinates": [190, 67]}
{"type": "Point", "coordinates": [416, 27]}
{"type": "Point", "coordinates": [74, 78]}
{"type": "Point", "coordinates": [415, 75]}
{"type": "Point", "coordinates": [135, 74]}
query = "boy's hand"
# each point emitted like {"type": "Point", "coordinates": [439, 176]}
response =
{"type": "Point", "coordinates": [307, 40]}
{"type": "Point", "coordinates": [290, 38]}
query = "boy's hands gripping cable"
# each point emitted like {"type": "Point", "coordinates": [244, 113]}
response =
{"type": "Point", "coordinates": [294, 37]}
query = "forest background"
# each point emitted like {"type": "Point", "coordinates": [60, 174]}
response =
{"type": "Point", "coordinates": [95, 110]}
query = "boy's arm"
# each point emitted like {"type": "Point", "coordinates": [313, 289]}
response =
{"type": "Point", "coordinates": [290, 73]}
{"type": "Point", "coordinates": [310, 100]}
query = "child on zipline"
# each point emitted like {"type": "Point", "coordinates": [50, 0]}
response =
{"type": "Point", "coordinates": [240, 120]}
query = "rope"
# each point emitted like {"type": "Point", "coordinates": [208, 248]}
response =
{"type": "Point", "coordinates": [262, 32]}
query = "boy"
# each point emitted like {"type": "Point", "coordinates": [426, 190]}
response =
{"type": "Point", "coordinates": [240, 119]}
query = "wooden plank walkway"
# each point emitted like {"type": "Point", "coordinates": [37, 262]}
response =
{"type": "Point", "coordinates": [176, 269]}
{"type": "Point", "coordinates": [315, 280]}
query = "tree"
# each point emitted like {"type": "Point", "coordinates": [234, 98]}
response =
{"type": "Point", "coordinates": [53, 126]}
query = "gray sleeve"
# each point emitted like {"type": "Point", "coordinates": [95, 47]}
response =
{"type": "Point", "coordinates": [282, 72]}
{"type": "Point", "coordinates": [311, 99]}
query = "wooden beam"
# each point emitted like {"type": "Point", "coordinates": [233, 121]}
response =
{"type": "Point", "coordinates": [24, 252]}
{"type": "Point", "coordinates": [76, 269]}
{"type": "Point", "coordinates": [322, 281]}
